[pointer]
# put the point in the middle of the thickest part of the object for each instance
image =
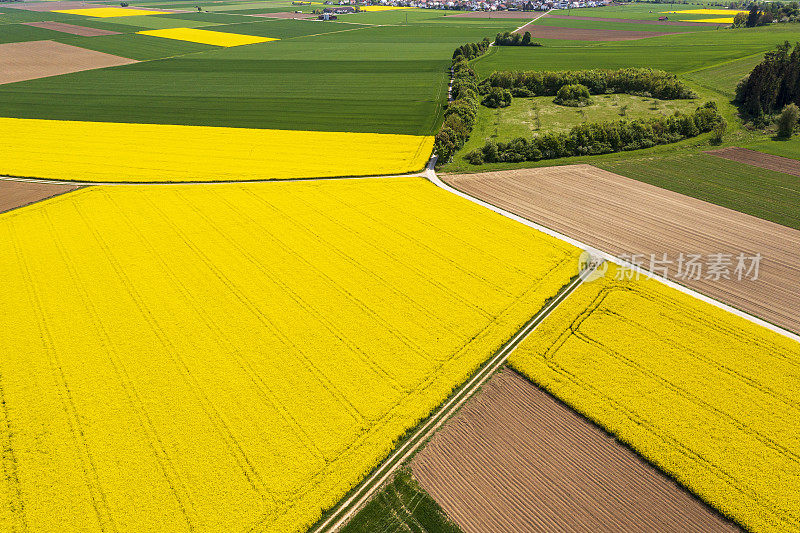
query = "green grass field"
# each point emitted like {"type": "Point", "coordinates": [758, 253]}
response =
{"type": "Point", "coordinates": [401, 505]}
{"type": "Point", "coordinates": [319, 76]}
{"type": "Point", "coordinates": [519, 119]}
{"type": "Point", "coordinates": [724, 77]}
{"type": "Point", "coordinates": [762, 193]}
{"type": "Point", "coordinates": [624, 26]}
{"type": "Point", "coordinates": [782, 147]}
{"type": "Point", "coordinates": [674, 53]}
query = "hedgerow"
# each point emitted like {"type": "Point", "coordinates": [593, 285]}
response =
{"type": "Point", "coordinates": [637, 81]}
{"type": "Point", "coordinates": [459, 117]}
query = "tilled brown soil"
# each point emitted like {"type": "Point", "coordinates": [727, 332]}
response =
{"type": "Point", "coordinates": [622, 216]}
{"type": "Point", "coordinates": [39, 59]}
{"type": "Point", "coordinates": [72, 29]}
{"type": "Point", "coordinates": [514, 459]}
{"type": "Point", "coordinates": [15, 194]}
{"type": "Point", "coordinates": [759, 159]}
{"type": "Point", "coordinates": [632, 21]}
{"type": "Point", "coordinates": [585, 34]}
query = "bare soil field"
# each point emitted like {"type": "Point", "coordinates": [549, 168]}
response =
{"type": "Point", "coordinates": [55, 5]}
{"type": "Point", "coordinates": [515, 459]}
{"type": "Point", "coordinates": [524, 15]}
{"type": "Point", "coordinates": [584, 34]}
{"type": "Point", "coordinates": [39, 59]}
{"type": "Point", "coordinates": [15, 194]}
{"type": "Point", "coordinates": [624, 217]}
{"type": "Point", "coordinates": [72, 29]}
{"type": "Point", "coordinates": [759, 159]}
{"type": "Point", "coordinates": [632, 21]}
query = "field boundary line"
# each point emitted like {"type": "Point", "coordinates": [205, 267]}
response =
{"type": "Point", "coordinates": [345, 510]}
{"type": "Point", "coordinates": [430, 173]}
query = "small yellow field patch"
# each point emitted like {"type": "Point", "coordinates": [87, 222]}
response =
{"type": "Point", "coordinates": [216, 38]}
{"type": "Point", "coordinates": [109, 151]}
{"type": "Point", "coordinates": [728, 20]}
{"type": "Point", "coordinates": [106, 12]}
{"type": "Point", "coordinates": [706, 12]}
{"type": "Point", "coordinates": [381, 8]}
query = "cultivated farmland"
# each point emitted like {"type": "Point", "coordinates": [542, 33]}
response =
{"type": "Point", "coordinates": [704, 395]}
{"type": "Point", "coordinates": [164, 153]}
{"type": "Point", "coordinates": [624, 216]}
{"type": "Point", "coordinates": [14, 194]}
{"type": "Point", "coordinates": [515, 459]}
{"type": "Point", "coordinates": [219, 358]}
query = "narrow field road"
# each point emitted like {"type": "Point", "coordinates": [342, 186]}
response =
{"type": "Point", "coordinates": [373, 483]}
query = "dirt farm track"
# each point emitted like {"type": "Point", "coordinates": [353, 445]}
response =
{"type": "Point", "coordinates": [514, 459]}
{"type": "Point", "coordinates": [623, 216]}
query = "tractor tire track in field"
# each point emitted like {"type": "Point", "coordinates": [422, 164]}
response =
{"type": "Point", "coordinates": [349, 506]}
{"type": "Point", "coordinates": [8, 461]}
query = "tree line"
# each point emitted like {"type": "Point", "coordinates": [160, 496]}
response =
{"type": "Point", "coordinates": [459, 117]}
{"type": "Point", "coordinates": [636, 81]}
{"type": "Point", "coordinates": [772, 84]}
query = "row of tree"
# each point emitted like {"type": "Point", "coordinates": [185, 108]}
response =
{"type": "Point", "coordinates": [772, 84]}
{"type": "Point", "coordinates": [602, 137]}
{"type": "Point", "coordinates": [637, 81]}
{"type": "Point", "coordinates": [459, 117]}
{"type": "Point", "coordinates": [514, 39]}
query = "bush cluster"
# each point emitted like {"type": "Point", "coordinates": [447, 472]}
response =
{"type": "Point", "coordinates": [787, 121]}
{"type": "Point", "coordinates": [459, 116]}
{"type": "Point", "coordinates": [772, 84]}
{"type": "Point", "coordinates": [575, 95]}
{"type": "Point", "coordinates": [497, 97]}
{"type": "Point", "coordinates": [514, 39]}
{"type": "Point", "coordinates": [637, 81]}
{"type": "Point", "coordinates": [601, 138]}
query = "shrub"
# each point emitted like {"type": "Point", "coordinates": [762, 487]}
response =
{"type": "Point", "coordinates": [718, 131]}
{"type": "Point", "coordinates": [575, 95]}
{"type": "Point", "coordinates": [514, 39]}
{"type": "Point", "coordinates": [787, 121]}
{"type": "Point", "coordinates": [497, 97]}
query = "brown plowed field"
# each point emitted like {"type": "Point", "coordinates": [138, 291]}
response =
{"type": "Point", "coordinates": [523, 15]}
{"type": "Point", "coordinates": [514, 459]}
{"type": "Point", "coordinates": [15, 194]}
{"type": "Point", "coordinates": [624, 216]}
{"type": "Point", "coordinates": [72, 29]}
{"type": "Point", "coordinates": [632, 21]}
{"type": "Point", "coordinates": [39, 59]}
{"type": "Point", "coordinates": [584, 34]}
{"type": "Point", "coordinates": [759, 159]}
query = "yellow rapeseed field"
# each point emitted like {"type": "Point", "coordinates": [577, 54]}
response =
{"type": "Point", "coordinates": [106, 12]}
{"type": "Point", "coordinates": [707, 12]}
{"type": "Point", "coordinates": [216, 38]}
{"type": "Point", "coordinates": [235, 357]}
{"type": "Point", "coordinates": [723, 20]}
{"type": "Point", "coordinates": [707, 396]}
{"type": "Point", "coordinates": [113, 152]}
